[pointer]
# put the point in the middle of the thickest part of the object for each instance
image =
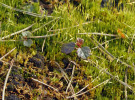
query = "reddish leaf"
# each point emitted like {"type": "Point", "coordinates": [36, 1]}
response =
{"type": "Point", "coordinates": [79, 42]}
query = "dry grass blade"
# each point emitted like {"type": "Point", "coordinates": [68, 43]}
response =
{"type": "Point", "coordinates": [102, 34]}
{"type": "Point", "coordinates": [4, 87]}
{"type": "Point", "coordinates": [69, 84]}
{"type": "Point", "coordinates": [25, 12]}
{"type": "Point", "coordinates": [7, 53]}
{"type": "Point", "coordinates": [45, 84]}
{"type": "Point", "coordinates": [17, 32]}
{"type": "Point", "coordinates": [105, 82]}
{"type": "Point", "coordinates": [66, 78]}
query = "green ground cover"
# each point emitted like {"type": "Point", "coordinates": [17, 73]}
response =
{"type": "Point", "coordinates": [107, 32]}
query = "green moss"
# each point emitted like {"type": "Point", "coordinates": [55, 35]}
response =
{"type": "Point", "coordinates": [73, 19]}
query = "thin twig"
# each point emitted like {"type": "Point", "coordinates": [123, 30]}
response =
{"type": "Point", "coordinates": [132, 39]}
{"type": "Point", "coordinates": [17, 32]}
{"type": "Point", "coordinates": [87, 85]}
{"type": "Point", "coordinates": [45, 84]}
{"type": "Point", "coordinates": [106, 42]}
{"type": "Point", "coordinates": [25, 12]}
{"type": "Point", "coordinates": [70, 27]}
{"type": "Point", "coordinates": [112, 57]}
{"type": "Point", "coordinates": [126, 83]}
{"type": "Point", "coordinates": [102, 34]}
{"type": "Point", "coordinates": [7, 53]}
{"type": "Point", "coordinates": [4, 87]}
{"type": "Point", "coordinates": [74, 63]}
{"type": "Point", "coordinates": [7, 63]}
{"type": "Point", "coordinates": [123, 83]}
{"type": "Point", "coordinates": [43, 45]}
{"type": "Point", "coordinates": [45, 36]}
{"type": "Point", "coordinates": [105, 82]}
{"type": "Point", "coordinates": [71, 78]}
{"type": "Point", "coordinates": [43, 25]}
{"type": "Point", "coordinates": [66, 78]}
{"type": "Point", "coordinates": [0, 27]}
{"type": "Point", "coordinates": [10, 40]}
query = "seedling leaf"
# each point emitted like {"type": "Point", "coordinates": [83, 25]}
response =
{"type": "Point", "coordinates": [27, 43]}
{"type": "Point", "coordinates": [68, 47]}
{"type": "Point", "coordinates": [83, 52]}
{"type": "Point", "coordinates": [26, 34]}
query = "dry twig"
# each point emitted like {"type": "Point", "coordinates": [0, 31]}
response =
{"type": "Point", "coordinates": [70, 27]}
{"type": "Point", "coordinates": [17, 32]}
{"type": "Point", "coordinates": [7, 53]}
{"type": "Point", "coordinates": [102, 34]}
{"type": "Point", "coordinates": [45, 84]}
{"type": "Point", "coordinates": [98, 67]}
{"type": "Point", "coordinates": [105, 82]}
{"type": "Point", "coordinates": [69, 84]}
{"type": "Point", "coordinates": [4, 87]}
{"type": "Point", "coordinates": [25, 12]}
{"type": "Point", "coordinates": [66, 78]}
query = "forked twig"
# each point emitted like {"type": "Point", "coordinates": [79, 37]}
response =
{"type": "Point", "coordinates": [45, 84]}
{"type": "Point", "coordinates": [105, 82]}
{"type": "Point", "coordinates": [69, 84]}
{"type": "Point", "coordinates": [7, 53]}
{"type": "Point", "coordinates": [4, 87]}
{"type": "Point", "coordinates": [66, 78]}
{"type": "Point", "coordinates": [88, 84]}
